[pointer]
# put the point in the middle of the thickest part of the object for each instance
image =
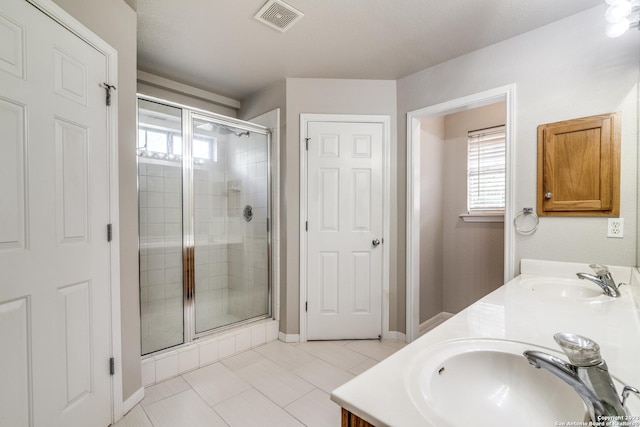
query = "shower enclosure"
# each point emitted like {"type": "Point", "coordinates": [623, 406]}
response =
{"type": "Point", "coordinates": [204, 207]}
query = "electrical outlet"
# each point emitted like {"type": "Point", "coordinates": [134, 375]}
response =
{"type": "Point", "coordinates": [615, 227]}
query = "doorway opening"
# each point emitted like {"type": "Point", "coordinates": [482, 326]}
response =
{"type": "Point", "coordinates": [455, 254]}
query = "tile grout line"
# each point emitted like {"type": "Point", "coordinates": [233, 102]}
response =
{"type": "Point", "coordinates": [305, 349]}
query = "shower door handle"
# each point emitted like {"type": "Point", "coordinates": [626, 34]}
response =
{"type": "Point", "coordinates": [375, 242]}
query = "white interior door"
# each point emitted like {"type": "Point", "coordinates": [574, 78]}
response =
{"type": "Point", "coordinates": [55, 332]}
{"type": "Point", "coordinates": [345, 226]}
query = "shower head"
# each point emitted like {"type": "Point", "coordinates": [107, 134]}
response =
{"type": "Point", "coordinates": [221, 129]}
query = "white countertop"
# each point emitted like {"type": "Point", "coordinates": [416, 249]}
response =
{"type": "Point", "coordinates": [381, 396]}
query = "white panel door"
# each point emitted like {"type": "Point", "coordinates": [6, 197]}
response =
{"type": "Point", "coordinates": [345, 225]}
{"type": "Point", "coordinates": [54, 206]}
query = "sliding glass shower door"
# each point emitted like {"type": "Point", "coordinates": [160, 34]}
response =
{"type": "Point", "coordinates": [160, 225]}
{"type": "Point", "coordinates": [230, 200]}
{"type": "Point", "coordinates": [204, 218]}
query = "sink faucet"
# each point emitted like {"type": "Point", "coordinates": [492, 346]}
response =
{"type": "Point", "coordinates": [587, 373]}
{"type": "Point", "coordinates": [603, 279]}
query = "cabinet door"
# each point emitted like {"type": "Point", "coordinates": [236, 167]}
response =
{"type": "Point", "coordinates": [579, 167]}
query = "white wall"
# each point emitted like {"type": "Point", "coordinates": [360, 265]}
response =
{"type": "Point", "coordinates": [564, 70]}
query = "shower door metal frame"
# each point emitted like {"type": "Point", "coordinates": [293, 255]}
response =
{"type": "Point", "coordinates": [188, 223]}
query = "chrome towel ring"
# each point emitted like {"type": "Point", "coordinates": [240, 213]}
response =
{"type": "Point", "coordinates": [520, 221]}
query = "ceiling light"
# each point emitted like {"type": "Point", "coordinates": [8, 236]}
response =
{"type": "Point", "coordinates": [622, 15]}
{"type": "Point", "coordinates": [618, 29]}
{"type": "Point", "coordinates": [617, 12]}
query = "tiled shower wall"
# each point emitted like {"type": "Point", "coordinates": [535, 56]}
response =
{"type": "Point", "coordinates": [231, 254]}
{"type": "Point", "coordinates": [247, 185]}
{"type": "Point", "coordinates": [160, 211]}
{"type": "Point", "coordinates": [211, 241]}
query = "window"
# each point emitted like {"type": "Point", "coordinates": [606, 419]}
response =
{"type": "Point", "coordinates": [158, 142]}
{"type": "Point", "coordinates": [163, 144]}
{"type": "Point", "coordinates": [486, 171]}
{"type": "Point", "coordinates": [203, 148]}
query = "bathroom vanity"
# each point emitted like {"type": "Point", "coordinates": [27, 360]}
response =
{"type": "Point", "coordinates": [470, 370]}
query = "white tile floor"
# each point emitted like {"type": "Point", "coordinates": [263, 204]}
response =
{"type": "Point", "coordinates": [276, 384]}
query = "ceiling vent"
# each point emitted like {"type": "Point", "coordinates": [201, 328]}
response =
{"type": "Point", "coordinates": [279, 15]}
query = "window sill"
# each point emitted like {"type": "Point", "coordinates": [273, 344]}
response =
{"type": "Point", "coordinates": [497, 217]}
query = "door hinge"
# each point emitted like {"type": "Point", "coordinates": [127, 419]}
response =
{"type": "Point", "coordinates": [267, 225]}
{"type": "Point", "coordinates": [306, 226]}
{"type": "Point", "coordinates": [306, 143]}
{"type": "Point", "coordinates": [108, 88]}
{"type": "Point", "coordinates": [112, 366]}
{"type": "Point", "coordinates": [306, 306]}
{"type": "Point", "coordinates": [109, 232]}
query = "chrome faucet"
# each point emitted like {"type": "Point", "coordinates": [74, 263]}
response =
{"type": "Point", "coordinates": [587, 373]}
{"type": "Point", "coordinates": [603, 279]}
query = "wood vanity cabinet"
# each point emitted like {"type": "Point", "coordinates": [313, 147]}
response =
{"type": "Point", "coordinates": [351, 420]}
{"type": "Point", "coordinates": [579, 167]}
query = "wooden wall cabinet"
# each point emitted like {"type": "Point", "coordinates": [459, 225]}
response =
{"type": "Point", "coordinates": [579, 167]}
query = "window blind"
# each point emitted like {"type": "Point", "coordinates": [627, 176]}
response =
{"type": "Point", "coordinates": [486, 170]}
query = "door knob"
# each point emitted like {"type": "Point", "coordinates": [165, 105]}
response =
{"type": "Point", "coordinates": [548, 195]}
{"type": "Point", "coordinates": [375, 242]}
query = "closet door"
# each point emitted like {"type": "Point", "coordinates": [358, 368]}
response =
{"type": "Point", "coordinates": [55, 324]}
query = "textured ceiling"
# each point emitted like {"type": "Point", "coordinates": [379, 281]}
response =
{"type": "Point", "coordinates": [216, 45]}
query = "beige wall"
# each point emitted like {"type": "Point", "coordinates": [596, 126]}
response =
{"type": "Point", "coordinates": [327, 96]}
{"type": "Point", "coordinates": [270, 98]}
{"type": "Point", "coordinates": [375, 97]}
{"type": "Point", "coordinates": [115, 22]}
{"type": "Point", "coordinates": [179, 98]}
{"type": "Point", "coordinates": [473, 262]}
{"type": "Point", "coordinates": [432, 192]}
{"type": "Point", "coordinates": [561, 71]}
{"type": "Point", "coordinates": [459, 262]}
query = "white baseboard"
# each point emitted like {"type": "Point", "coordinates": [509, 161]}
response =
{"type": "Point", "coordinates": [288, 337]}
{"type": "Point", "coordinates": [394, 336]}
{"type": "Point", "coordinates": [133, 400]}
{"type": "Point", "coordinates": [429, 324]}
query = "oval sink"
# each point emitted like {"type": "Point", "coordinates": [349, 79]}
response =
{"type": "Point", "coordinates": [562, 288]}
{"type": "Point", "coordinates": [487, 382]}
